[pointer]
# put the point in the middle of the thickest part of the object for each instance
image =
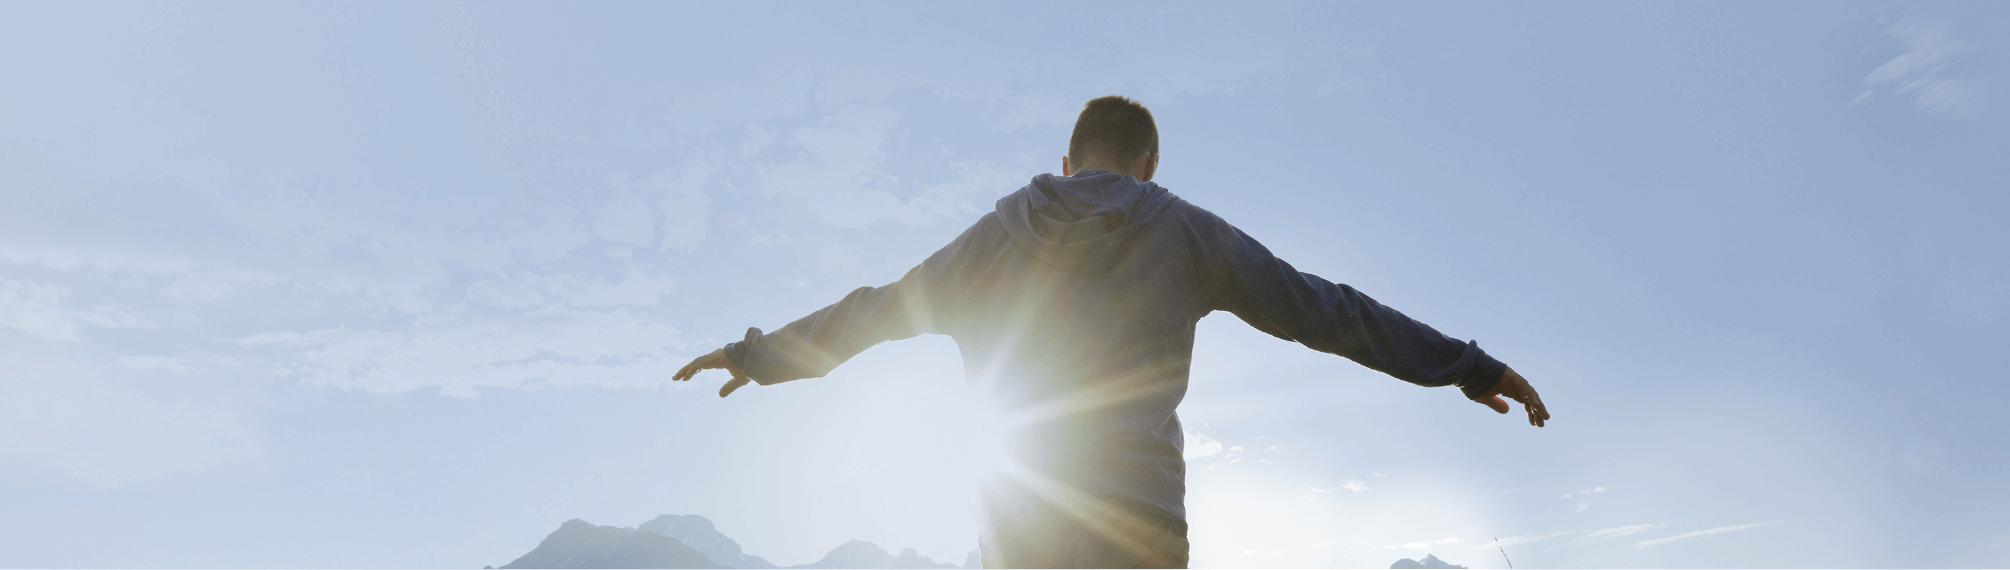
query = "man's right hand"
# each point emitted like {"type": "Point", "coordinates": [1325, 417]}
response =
{"type": "Point", "coordinates": [1516, 388]}
{"type": "Point", "coordinates": [715, 360]}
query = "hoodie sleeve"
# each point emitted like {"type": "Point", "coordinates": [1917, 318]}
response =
{"type": "Point", "coordinates": [1239, 275]}
{"type": "Point", "coordinates": [813, 345]}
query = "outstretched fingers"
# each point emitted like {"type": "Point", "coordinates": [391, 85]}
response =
{"type": "Point", "coordinates": [714, 359]}
{"type": "Point", "coordinates": [1538, 414]}
{"type": "Point", "coordinates": [690, 369]}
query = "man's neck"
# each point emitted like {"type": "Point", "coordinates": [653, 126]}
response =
{"type": "Point", "coordinates": [1079, 171]}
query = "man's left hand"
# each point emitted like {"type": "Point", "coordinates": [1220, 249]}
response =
{"type": "Point", "coordinates": [1516, 388]}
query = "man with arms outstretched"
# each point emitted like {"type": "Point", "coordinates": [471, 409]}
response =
{"type": "Point", "coordinates": [1075, 303]}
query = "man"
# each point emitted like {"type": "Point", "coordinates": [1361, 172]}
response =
{"type": "Point", "coordinates": [1075, 302]}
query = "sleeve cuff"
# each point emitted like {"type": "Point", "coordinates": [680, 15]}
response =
{"type": "Point", "coordinates": [1481, 378]}
{"type": "Point", "coordinates": [736, 352]}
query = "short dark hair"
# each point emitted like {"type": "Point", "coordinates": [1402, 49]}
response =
{"type": "Point", "coordinates": [1115, 129]}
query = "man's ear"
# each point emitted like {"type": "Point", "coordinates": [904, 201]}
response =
{"type": "Point", "coordinates": [1151, 167]}
{"type": "Point", "coordinates": [1064, 166]}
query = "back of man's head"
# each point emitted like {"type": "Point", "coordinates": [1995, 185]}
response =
{"type": "Point", "coordinates": [1113, 133]}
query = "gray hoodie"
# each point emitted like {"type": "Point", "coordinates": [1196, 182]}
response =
{"type": "Point", "coordinates": [1075, 303]}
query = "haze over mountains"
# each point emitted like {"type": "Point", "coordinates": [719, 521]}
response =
{"type": "Point", "coordinates": [690, 541]}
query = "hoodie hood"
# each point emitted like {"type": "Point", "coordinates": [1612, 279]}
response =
{"type": "Point", "coordinates": [1084, 222]}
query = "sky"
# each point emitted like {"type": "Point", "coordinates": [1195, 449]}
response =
{"type": "Point", "coordinates": [301, 285]}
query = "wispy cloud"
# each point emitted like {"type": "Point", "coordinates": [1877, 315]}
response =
{"type": "Point", "coordinates": [1926, 69]}
{"type": "Point", "coordinates": [834, 169]}
{"type": "Point", "coordinates": [1523, 539]}
{"type": "Point", "coordinates": [1426, 544]}
{"type": "Point", "coordinates": [635, 288]}
{"type": "Point", "coordinates": [167, 363]}
{"type": "Point", "coordinates": [546, 347]}
{"type": "Point", "coordinates": [1613, 532]}
{"type": "Point", "coordinates": [36, 309]}
{"type": "Point", "coordinates": [1620, 531]}
{"type": "Point", "coordinates": [1199, 445]}
{"type": "Point", "coordinates": [1584, 492]}
{"type": "Point", "coordinates": [39, 309]}
{"type": "Point", "coordinates": [686, 209]}
{"type": "Point", "coordinates": [1353, 541]}
{"type": "Point", "coordinates": [1700, 534]}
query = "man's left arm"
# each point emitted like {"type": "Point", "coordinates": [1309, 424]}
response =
{"type": "Point", "coordinates": [1242, 277]}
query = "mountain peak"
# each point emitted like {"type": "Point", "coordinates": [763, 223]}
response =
{"type": "Point", "coordinates": [1429, 561]}
{"type": "Point", "coordinates": [580, 544]}
{"type": "Point", "coordinates": [698, 532]}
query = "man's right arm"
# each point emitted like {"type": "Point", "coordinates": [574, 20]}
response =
{"type": "Point", "coordinates": [812, 346]}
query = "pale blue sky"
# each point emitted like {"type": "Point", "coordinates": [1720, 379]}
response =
{"type": "Point", "coordinates": [397, 285]}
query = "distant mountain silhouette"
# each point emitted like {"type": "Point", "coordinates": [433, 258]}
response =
{"type": "Point", "coordinates": [580, 544]}
{"type": "Point", "coordinates": [690, 541]}
{"type": "Point", "coordinates": [862, 554]}
{"type": "Point", "coordinates": [1430, 561]}
{"type": "Point", "coordinates": [698, 533]}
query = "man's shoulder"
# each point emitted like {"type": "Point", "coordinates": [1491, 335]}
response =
{"type": "Point", "coordinates": [984, 232]}
{"type": "Point", "coordinates": [987, 223]}
{"type": "Point", "coordinates": [1187, 215]}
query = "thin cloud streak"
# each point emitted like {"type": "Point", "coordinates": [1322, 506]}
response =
{"type": "Point", "coordinates": [1698, 534]}
{"type": "Point", "coordinates": [1523, 539]}
{"type": "Point", "coordinates": [1620, 531]}
{"type": "Point", "coordinates": [1924, 70]}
